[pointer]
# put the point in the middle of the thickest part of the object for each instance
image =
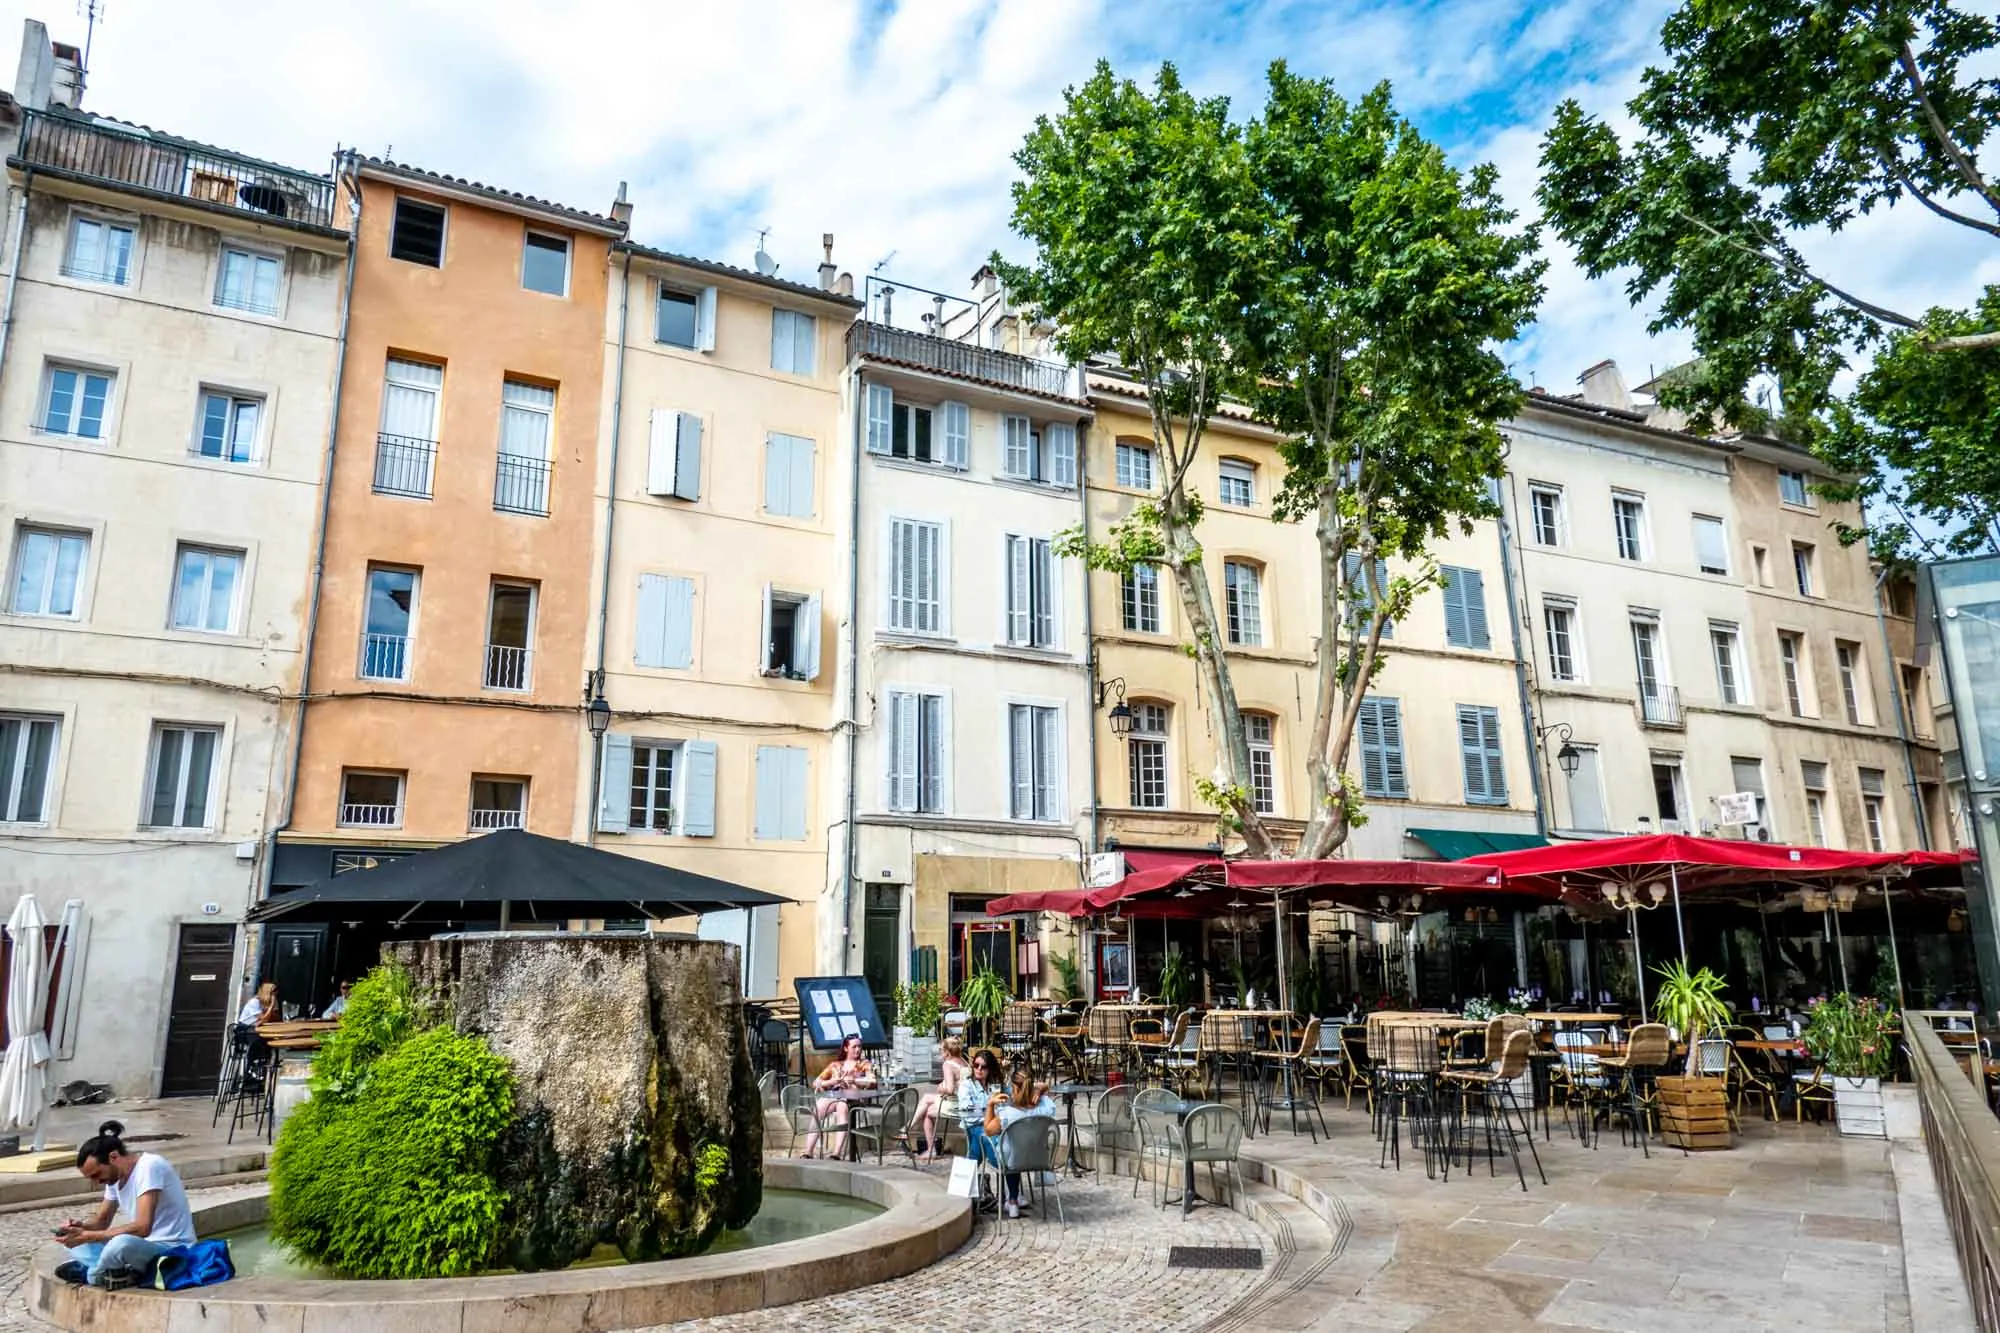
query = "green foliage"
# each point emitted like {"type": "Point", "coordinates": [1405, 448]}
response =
{"type": "Point", "coordinates": [1770, 119]}
{"type": "Point", "coordinates": [381, 1013]}
{"type": "Point", "coordinates": [711, 1166]}
{"type": "Point", "coordinates": [397, 1180]}
{"type": "Point", "coordinates": [983, 997]}
{"type": "Point", "coordinates": [918, 1005]}
{"type": "Point", "coordinates": [1069, 976]}
{"type": "Point", "coordinates": [1177, 979]}
{"type": "Point", "coordinates": [1308, 986]}
{"type": "Point", "coordinates": [1852, 1036]}
{"type": "Point", "coordinates": [1690, 1002]}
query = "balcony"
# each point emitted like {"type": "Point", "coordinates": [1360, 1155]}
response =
{"type": "Point", "coordinates": [961, 360]}
{"type": "Point", "coordinates": [506, 668]}
{"type": "Point", "coordinates": [370, 816]}
{"type": "Point", "coordinates": [404, 466]}
{"type": "Point", "coordinates": [485, 821]}
{"type": "Point", "coordinates": [521, 485]}
{"type": "Point", "coordinates": [1660, 706]}
{"type": "Point", "coordinates": [385, 657]}
{"type": "Point", "coordinates": [122, 156]}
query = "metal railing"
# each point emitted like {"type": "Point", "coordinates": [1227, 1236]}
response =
{"type": "Point", "coordinates": [385, 657]}
{"type": "Point", "coordinates": [404, 465]}
{"type": "Point", "coordinates": [506, 668]}
{"type": "Point", "coordinates": [128, 155]}
{"type": "Point", "coordinates": [355, 815]}
{"type": "Point", "coordinates": [521, 485]}
{"type": "Point", "coordinates": [1962, 1138]}
{"type": "Point", "coordinates": [1660, 706]}
{"type": "Point", "coordinates": [961, 360]}
{"type": "Point", "coordinates": [485, 821]}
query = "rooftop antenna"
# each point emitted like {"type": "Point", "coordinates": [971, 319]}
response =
{"type": "Point", "coordinates": [883, 262]}
{"type": "Point", "coordinates": [92, 11]}
{"type": "Point", "coordinates": [765, 264]}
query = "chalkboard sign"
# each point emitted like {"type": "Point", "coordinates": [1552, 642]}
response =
{"type": "Point", "coordinates": [832, 1009]}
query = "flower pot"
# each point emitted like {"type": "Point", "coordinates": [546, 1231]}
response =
{"type": "Point", "coordinates": [1694, 1112]}
{"type": "Point", "coordinates": [922, 1059]}
{"type": "Point", "coordinates": [1857, 1108]}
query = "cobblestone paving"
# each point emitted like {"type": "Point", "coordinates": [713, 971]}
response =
{"type": "Point", "coordinates": [1106, 1270]}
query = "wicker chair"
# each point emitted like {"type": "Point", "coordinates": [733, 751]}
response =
{"type": "Point", "coordinates": [1645, 1055]}
{"type": "Point", "coordinates": [1491, 1093]}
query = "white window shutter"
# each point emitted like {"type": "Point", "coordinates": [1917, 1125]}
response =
{"type": "Point", "coordinates": [677, 629]}
{"type": "Point", "coordinates": [957, 420]}
{"type": "Point", "coordinates": [936, 752]}
{"type": "Point", "coordinates": [881, 419]}
{"type": "Point", "coordinates": [660, 452]}
{"type": "Point", "coordinates": [903, 709]}
{"type": "Point", "coordinates": [804, 466]}
{"type": "Point", "coordinates": [704, 320]}
{"type": "Point", "coordinates": [1020, 620]}
{"type": "Point", "coordinates": [687, 457]}
{"type": "Point", "coordinates": [805, 639]}
{"type": "Point", "coordinates": [697, 789]}
{"type": "Point", "coordinates": [649, 631]}
{"type": "Point", "coordinates": [1061, 442]}
{"type": "Point", "coordinates": [770, 792]}
{"type": "Point", "coordinates": [614, 784]}
{"type": "Point", "coordinates": [1042, 588]}
{"type": "Point", "coordinates": [1048, 794]}
{"type": "Point", "coordinates": [1021, 760]}
{"type": "Point", "coordinates": [764, 634]}
{"type": "Point", "coordinates": [1017, 458]}
{"type": "Point", "coordinates": [777, 474]}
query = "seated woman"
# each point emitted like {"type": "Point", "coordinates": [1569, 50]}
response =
{"type": "Point", "coordinates": [981, 1081]}
{"type": "Point", "coordinates": [144, 1190]}
{"type": "Point", "coordinates": [850, 1069]}
{"type": "Point", "coordinates": [955, 1070]}
{"type": "Point", "coordinates": [1027, 1098]}
{"type": "Point", "coordinates": [261, 1007]}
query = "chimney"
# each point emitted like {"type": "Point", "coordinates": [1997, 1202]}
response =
{"type": "Point", "coordinates": [66, 85]}
{"type": "Point", "coordinates": [844, 285]}
{"type": "Point", "coordinates": [986, 282]}
{"type": "Point", "coordinates": [32, 79]}
{"type": "Point", "coordinates": [1603, 386]}
{"type": "Point", "coordinates": [621, 208]}
{"type": "Point", "coordinates": [828, 272]}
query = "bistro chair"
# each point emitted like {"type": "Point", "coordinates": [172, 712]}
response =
{"type": "Point", "coordinates": [1211, 1134]}
{"type": "Point", "coordinates": [1157, 1112]}
{"type": "Point", "coordinates": [1811, 1086]}
{"type": "Point", "coordinates": [1018, 1026]}
{"type": "Point", "coordinates": [801, 1107]}
{"type": "Point", "coordinates": [1289, 1067]}
{"type": "Point", "coordinates": [1407, 1091]}
{"type": "Point", "coordinates": [1146, 1039]}
{"type": "Point", "coordinates": [1326, 1063]}
{"type": "Point", "coordinates": [1062, 1037]}
{"type": "Point", "coordinates": [1105, 1037]}
{"type": "Point", "coordinates": [1746, 1080]}
{"type": "Point", "coordinates": [1179, 1062]}
{"type": "Point", "coordinates": [1491, 1093]}
{"type": "Point", "coordinates": [1360, 1065]}
{"type": "Point", "coordinates": [1634, 1073]}
{"type": "Point", "coordinates": [890, 1122]}
{"type": "Point", "coordinates": [244, 1046]}
{"type": "Point", "coordinates": [1227, 1042]}
{"type": "Point", "coordinates": [1113, 1127]}
{"type": "Point", "coordinates": [1588, 1085]}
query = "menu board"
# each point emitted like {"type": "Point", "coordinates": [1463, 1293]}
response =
{"type": "Point", "coordinates": [832, 1009]}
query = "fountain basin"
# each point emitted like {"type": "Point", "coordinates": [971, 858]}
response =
{"type": "Point", "coordinates": [919, 1224]}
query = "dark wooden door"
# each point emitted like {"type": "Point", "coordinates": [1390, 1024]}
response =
{"type": "Point", "coordinates": [881, 945]}
{"type": "Point", "coordinates": [198, 1021]}
{"type": "Point", "coordinates": [296, 957]}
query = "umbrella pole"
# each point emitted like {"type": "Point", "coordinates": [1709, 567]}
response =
{"type": "Point", "coordinates": [1410, 963]}
{"type": "Point", "coordinates": [1278, 920]}
{"type": "Point", "coordinates": [1839, 947]}
{"type": "Point", "coordinates": [1680, 929]}
{"type": "Point", "coordinates": [1895, 957]}
{"type": "Point", "coordinates": [506, 914]}
{"type": "Point", "coordinates": [1638, 964]}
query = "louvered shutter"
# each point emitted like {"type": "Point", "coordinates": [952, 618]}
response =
{"type": "Point", "coordinates": [1021, 760]}
{"type": "Point", "coordinates": [957, 429]}
{"type": "Point", "coordinates": [1496, 767]}
{"type": "Point", "coordinates": [935, 750]}
{"type": "Point", "coordinates": [1061, 444]}
{"type": "Point", "coordinates": [1046, 739]}
{"type": "Point", "coordinates": [930, 575]}
{"type": "Point", "coordinates": [1395, 779]}
{"type": "Point", "coordinates": [614, 784]}
{"type": "Point", "coordinates": [903, 709]}
{"type": "Point", "coordinates": [881, 419]}
{"type": "Point", "coordinates": [805, 638]}
{"type": "Point", "coordinates": [1041, 592]}
{"type": "Point", "coordinates": [1476, 633]}
{"type": "Point", "coordinates": [664, 424]}
{"type": "Point", "coordinates": [1472, 753]}
{"type": "Point", "coordinates": [697, 789]}
{"type": "Point", "coordinates": [1020, 608]}
{"type": "Point", "coordinates": [1455, 632]}
{"type": "Point", "coordinates": [1017, 457]}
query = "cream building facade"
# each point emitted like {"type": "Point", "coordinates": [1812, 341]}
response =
{"type": "Point", "coordinates": [167, 376]}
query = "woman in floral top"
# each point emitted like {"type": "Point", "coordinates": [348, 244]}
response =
{"type": "Point", "coordinates": [851, 1069]}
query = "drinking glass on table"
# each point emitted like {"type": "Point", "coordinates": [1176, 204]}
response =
{"type": "Point", "coordinates": [290, 1009]}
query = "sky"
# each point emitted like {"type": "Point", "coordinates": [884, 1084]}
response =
{"type": "Point", "coordinates": [893, 125]}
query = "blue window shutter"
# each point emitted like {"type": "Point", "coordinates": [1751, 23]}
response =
{"type": "Point", "coordinates": [794, 825]}
{"type": "Point", "coordinates": [1395, 777]}
{"type": "Point", "coordinates": [687, 457]}
{"type": "Point", "coordinates": [676, 642]}
{"type": "Point", "coordinates": [1472, 754]}
{"type": "Point", "coordinates": [770, 778]}
{"type": "Point", "coordinates": [614, 784]}
{"type": "Point", "coordinates": [1477, 634]}
{"type": "Point", "coordinates": [781, 793]}
{"type": "Point", "coordinates": [1496, 766]}
{"type": "Point", "coordinates": [1368, 726]}
{"type": "Point", "coordinates": [697, 789]}
{"type": "Point", "coordinates": [777, 474]}
{"type": "Point", "coordinates": [804, 464]}
{"type": "Point", "coordinates": [1455, 631]}
{"type": "Point", "coordinates": [649, 626]}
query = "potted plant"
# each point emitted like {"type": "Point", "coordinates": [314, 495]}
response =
{"type": "Point", "coordinates": [1852, 1038]}
{"type": "Point", "coordinates": [1069, 976]}
{"type": "Point", "coordinates": [917, 1007]}
{"type": "Point", "coordinates": [1690, 1004]}
{"type": "Point", "coordinates": [983, 998]}
{"type": "Point", "coordinates": [1176, 979]}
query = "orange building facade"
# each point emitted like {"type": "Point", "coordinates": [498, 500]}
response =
{"type": "Point", "coordinates": [454, 601]}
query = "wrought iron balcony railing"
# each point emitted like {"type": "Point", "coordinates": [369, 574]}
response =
{"type": "Point", "coordinates": [1660, 706]}
{"type": "Point", "coordinates": [485, 821]}
{"type": "Point", "coordinates": [961, 360]}
{"type": "Point", "coordinates": [353, 815]}
{"type": "Point", "coordinates": [521, 485]}
{"type": "Point", "coordinates": [126, 155]}
{"type": "Point", "coordinates": [404, 466]}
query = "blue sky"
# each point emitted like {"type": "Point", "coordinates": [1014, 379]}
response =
{"type": "Point", "coordinates": [890, 125]}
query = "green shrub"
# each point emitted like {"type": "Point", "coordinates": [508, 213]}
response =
{"type": "Point", "coordinates": [395, 1178]}
{"type": "Point", "coordinates": [711, 1166]}
{"type": "Point", "coordinates": [381, 1013]}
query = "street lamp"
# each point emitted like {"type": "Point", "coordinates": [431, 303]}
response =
{"type": "Point", "coordinates": [1121, 712]}
{"type": "Point", "coordinates": [1568, 757]}
{"type": "Point", "coordinates": [596, 716]}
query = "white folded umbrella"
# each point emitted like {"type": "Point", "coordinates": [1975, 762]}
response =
{"type": "Point", "coordinates": [24, 1071]}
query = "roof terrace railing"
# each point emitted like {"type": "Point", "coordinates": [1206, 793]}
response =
{"type": "Point", "coordinates": [961, 360]}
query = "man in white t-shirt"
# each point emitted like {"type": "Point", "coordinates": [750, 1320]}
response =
{"type": "Point", "coordinates": [143, 1190]}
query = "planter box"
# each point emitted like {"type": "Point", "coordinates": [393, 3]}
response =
{"type": "Point", "coordinates": [1694, 1113]}
{"type": "Point", "coordinates": [1857, 1108]}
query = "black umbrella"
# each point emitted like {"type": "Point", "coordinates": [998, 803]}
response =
{"type": "Point", "coordinates": [511, 870]}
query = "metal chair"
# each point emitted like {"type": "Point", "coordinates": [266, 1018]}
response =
{"type": "Point", "coordinates": [1712, 1060]}
{"type": "Point", "coordinates": [1645, 1055]}
{"type": "Point", "coordinates": [1288, 1067]}
{"type": "Point", "coordinates": [800, 1105]}
{"type": "Point", "coordinates": [1028, 1148]}
{"type": "Point", "coordinates": [1360, 1067]}
{"type": "Point", "coordinates": [1019, 1025]}
{"type": "Point", "coordinates": [1113, 1127]}
{"type": "Point", "coordinates": [1815, 1087]}
{"type": "Point", "coordinates": [1491, 1091]}
{"type": "Point", "coordinates": [1158, 1125]}
{"type": "Point", "coordinates": [890, 1122]}
{"type": "Point", "coordinates": [1211, 1134]}
{"type": "Point", "coordinates": [242, 1040]}
{"type": "Point", "coordinates": [1407, 1091]}
{"type": "Point", "coordinates": [1179, 1062]}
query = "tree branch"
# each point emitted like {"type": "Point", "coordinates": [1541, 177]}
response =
{"type": "Point", "coordinates": [1785, 261]}
{"type": "Point", "coordinates": [1964, 342]}
{"type": "Point", "coordinates": [1949, 214]}
{"type": "Point", "coordinates": [1952, 151]}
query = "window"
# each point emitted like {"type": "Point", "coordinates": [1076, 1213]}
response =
{"type": "Point", "coordinates": [1046, 455]}
{"type": "Point", "coordinates": [1802, 568]}
{"type": "Point", "coordinates": [673, 454]}
{"type": "Point", "coordinates": [1915, 702]}
{"type": "Point", "coordinates": [417, 233]}
{"type": "Point", "coordinates": [1565, 653]}
{"type": "Point", "coordinates": [371, 800]}
{"type": "Point", "coordinates": [498, 803]}
{"type": "Point", "coordinates": [1237, 484]}
{"type": "Point", "coordinates": [657, 786]}
{"type": "Point", "coordinates": [1545, 504]}
{"type": "Point", "coordinates": [1628, 518]}
{"type": "Point", "coordinates": [1465, 609]}
{"type": "Point", "coordinates": [48, 572]}
{"type": "Point", "coordinates": [1361, 594]}
{"type": "Point", "coordinates": [652, 788]}
{"type": "Point", "coordinates": [1034, 735]}
{"type": "Point", "coordinates": [916, 576]}
{"type": "Point", "coordinates": [793, 338]}
{"type": "Point", "coordinates": [1479, 752]}
{"type": "Point", "coordinates": [1853, 683]}
{"type": "Point", "coordinates": [1134, 468]}
{"type": "Point", "coordinates": [545, 264]}
{"type": "Point", "coordinates": [1587, 808]}
{"type": "Point", "coordinates": [27, 763]}
{"type": "Point", "coordinates": [1760, 562]}
{"type": "Point", "coordinates": [406, 442]}
{"type": "Point", "coordinates": [1146, 756]}
{"type": "Point", "coordinates": [76, 402]}
{"type": "Point", "coordinates": [1812, 776]}
{"type": "Point", "coordinates": [99, 251]}
{"type": "Point", "coordinates": [205, 582]}
{"type": "Point", "coordinates": [391, 614]}
{"type": "Point", "coordinates": [1792, 488]}
{"type": "Point", "coordinates": [781, 793]}
{"type": "Point", "coordinates": [1244, 601]}
{"type": "Point", "coordinates": [663, 635]}
{"type": "Point", "coordinates": [674, 318]}
{"type": "Point", "coordinates": [183, 763]}
{"type": "Point", "coordinates": [1649, 668]}
{"type": "Point", "coordinates": [521, 473]}
{"type": "Point", "coordinates": [1139, 599]}
{"type": "Point", "coordinates": [918, 750]}
{"type": "Point", "coordinates": [1669, 793]}
{"type": "Point", "coordinates": [248, 281]}
{"type": "Point", "coordinates": [917, 433]}
{"type": "Point", "coordinates": [1725, 642]}
{"type": "Point", "coordinates": [227, 427]}
{"type": "Point", "coordinates": [1748, 774]}
{"type": "Point", "coordinates": [1031, 593]}
{"type": "Point", "coordinates": [788, 475]}
{"type": "Point", "coordinates": [1260, 731]}
{"type": "Point", "coordinates": [1380, 727]}
{"type": "Point", "coordinates": [791, 634]}
{"type": "Point", "coordinates": [510, 629]}
{"type": "Point", "coordinates": [1711, 545]}
{"type": "Point", "coordinates": [1874, 814]}
{"type": "Point", "coordinates": [1791, 651]}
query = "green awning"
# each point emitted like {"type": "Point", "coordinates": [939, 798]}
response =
{"type": "Point", "coordinates": [1457, 844]}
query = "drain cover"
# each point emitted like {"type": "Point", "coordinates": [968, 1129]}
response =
{"type": "Point", "coordinates": [1214, 1256]}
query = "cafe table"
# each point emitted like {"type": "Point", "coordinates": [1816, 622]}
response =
{"type": "Point", "coordinates": [850, 1150]}
{"type": "Point", "coordinates": [1069, 1092]}
{"type": "Point", "coordinates": [1180, 1107]}
{"type": "Point", "coordinates": [1540, 1016]}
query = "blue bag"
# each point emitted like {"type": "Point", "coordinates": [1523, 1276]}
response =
{"type": "Point", "coordinates": [201, 1264]}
